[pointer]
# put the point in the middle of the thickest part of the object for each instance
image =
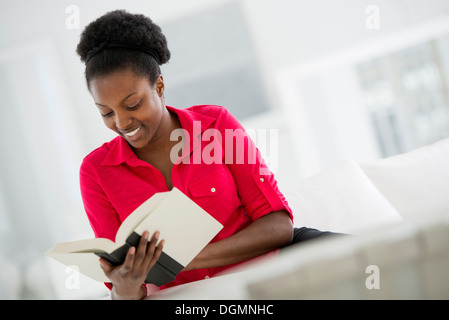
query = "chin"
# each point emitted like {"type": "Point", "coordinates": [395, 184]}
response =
{"type": "Point", "coordinates": [136, 144]}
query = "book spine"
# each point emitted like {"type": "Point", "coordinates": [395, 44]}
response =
{"type": "Point", "coordinates": [166, 268]}
{"type": "Point", "coordinates": [164, 271]}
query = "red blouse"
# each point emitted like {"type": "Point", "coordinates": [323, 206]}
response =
{"type": "Point", "coordinates": [221, 174]}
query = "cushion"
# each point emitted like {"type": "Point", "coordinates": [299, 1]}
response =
{"type": "Point", "coordinates": [417, 182]}
{"type": "Point", "coordinates": [340, 199]}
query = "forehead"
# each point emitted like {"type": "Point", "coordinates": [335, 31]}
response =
{"type": "Point", "coordinates": [114, 87]}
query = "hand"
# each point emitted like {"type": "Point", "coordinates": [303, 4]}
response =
{"type": "Point", "coordinates": [127, 279]}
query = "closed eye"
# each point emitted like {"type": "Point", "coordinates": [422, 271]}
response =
{"type": "Point", "coordinates": [135, 107]}
{"type": "Point", "coordinates": [128, 108]}
{"type": "Point", "coordinates": [106, 114]}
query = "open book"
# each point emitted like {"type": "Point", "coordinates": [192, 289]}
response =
{"type": "Point", "coordinates": [185, 227]}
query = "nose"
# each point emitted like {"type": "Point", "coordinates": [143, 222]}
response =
{"type": "Point", "coordinates": [122, 121]}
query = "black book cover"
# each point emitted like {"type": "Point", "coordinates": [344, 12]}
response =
{"type": "Point", "coordinates": [164, 271]}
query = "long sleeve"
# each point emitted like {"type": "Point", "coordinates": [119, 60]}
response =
{"type": "Point", "coordinates": [102, 216]}
{"type": "Point", "coordinates": [256, 184]}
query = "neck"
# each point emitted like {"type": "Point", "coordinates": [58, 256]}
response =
{"type": "Point", "coordinates": [161, 141]}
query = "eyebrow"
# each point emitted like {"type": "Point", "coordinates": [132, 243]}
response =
{"type": "Point", "coordinates": [129, 95]}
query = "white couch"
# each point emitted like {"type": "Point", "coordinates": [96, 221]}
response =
{"type": "Point", "coordinates": [397, 210]}
{"type": "Point", "coordinates": [351, 197]}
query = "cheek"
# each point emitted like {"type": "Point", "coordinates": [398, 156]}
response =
{"type": "Point", "coordinates": [151, 115]}
{"type": "Point", "coordinates": [109, 123]}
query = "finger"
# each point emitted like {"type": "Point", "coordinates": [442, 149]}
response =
{"type": "Point", "coordinates": [151, 248]}
{"type": "Point", "coordinates": [105, 266]}
{"type": "Point", "coordinates": [157, 254]}
{"type": "Point", "coordinates": [153, 242]}
{"type": "Point", "coordinates": [141, 248]}
{"type": "Point", "coordinates": [129, 260]}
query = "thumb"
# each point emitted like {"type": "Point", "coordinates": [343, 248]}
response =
{"type": "Point", "coordinates": [106, 266]}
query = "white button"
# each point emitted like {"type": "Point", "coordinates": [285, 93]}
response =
{"type": "Point", "coordinates": [213, 190]}
{"type": "Point", "coordinates": [262, 180]}
{"type": "Point", "coordinates": [206, 277]}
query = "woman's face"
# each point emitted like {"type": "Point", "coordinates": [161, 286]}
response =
{"type": "Point", "coordinates": [129, 105]}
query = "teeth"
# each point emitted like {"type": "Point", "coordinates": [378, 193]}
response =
{"type": "Point", "coordinates": [132, 133]}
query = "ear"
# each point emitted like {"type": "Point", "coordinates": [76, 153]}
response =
{"type": "Point", "coordinates": [159, 86]}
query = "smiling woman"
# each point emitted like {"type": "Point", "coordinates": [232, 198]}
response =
{"type": "Point", "coordinates": [122, 52]}
{"type": "Point", "coordinates": [139, 110]}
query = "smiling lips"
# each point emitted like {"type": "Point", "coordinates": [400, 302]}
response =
{"type": "Point", "coordinates": [132, 133]}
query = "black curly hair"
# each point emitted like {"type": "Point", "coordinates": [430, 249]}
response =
{"type": "Point", "coordinates": [132, 30]}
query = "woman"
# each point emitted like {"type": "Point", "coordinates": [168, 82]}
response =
{"type": "Point", "coordinates": [122, 53]}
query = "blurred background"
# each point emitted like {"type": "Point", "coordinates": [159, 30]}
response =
{"type": "Point", "coordinates": [346, 79]}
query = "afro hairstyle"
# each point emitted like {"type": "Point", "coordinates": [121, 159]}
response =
{"type": "Point", "coordinates": [124, 27]}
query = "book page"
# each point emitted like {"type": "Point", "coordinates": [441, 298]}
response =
{"type": "Point", "coordinates": [86, 263]}
{"type": "Point", "coordinates": [128, 225]}
{"type": "Point", "coordinates": [185, 226]}
{"type": "Point", "coordinates": [86, 245]}
{"type": "Point", "coordinates": [81, 254]}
